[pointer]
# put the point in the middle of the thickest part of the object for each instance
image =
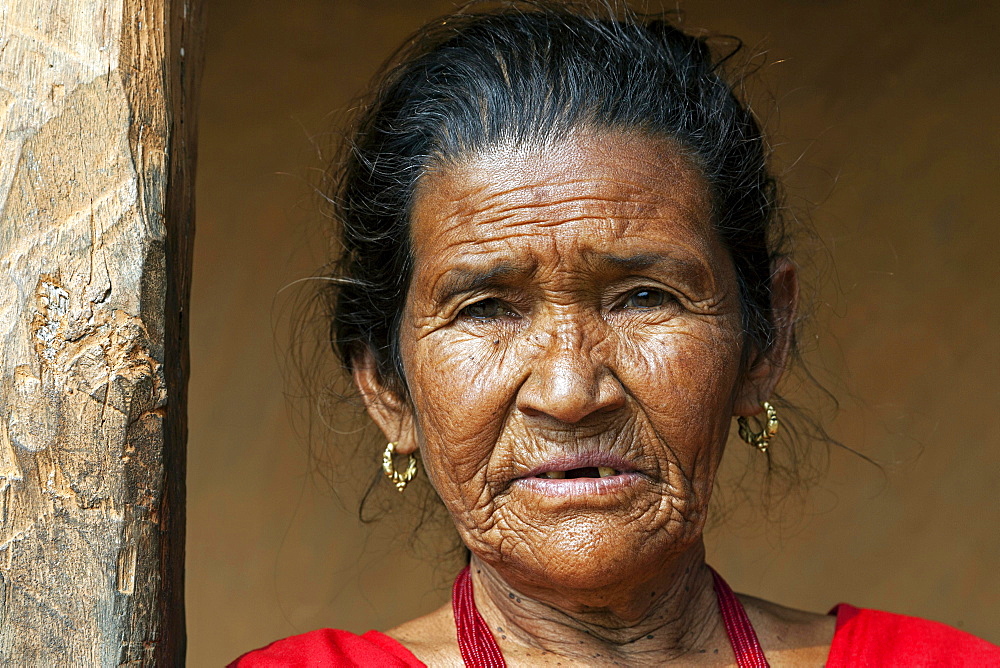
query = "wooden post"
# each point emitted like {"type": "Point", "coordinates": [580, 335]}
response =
{"type": "Point", "coordinates": [96, 174]}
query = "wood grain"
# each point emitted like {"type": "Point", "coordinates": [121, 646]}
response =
{"type": "Point", "coordinates": [96, 168]}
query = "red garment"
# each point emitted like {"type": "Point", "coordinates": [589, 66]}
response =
{"type": "Point", "coordinates": [330, 647]}
{"type": "Point", "coordinates": [870, 639]}
{"type": "Point", "coordinates": [864, 639]}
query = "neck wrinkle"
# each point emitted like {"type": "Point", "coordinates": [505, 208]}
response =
{"type": "Point", "coordinates": [681, 620]}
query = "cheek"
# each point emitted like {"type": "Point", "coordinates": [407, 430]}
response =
{"type": "Point", "coordinates": [461, 392]}
{"type": "Point", "coordinates": [684, 383]}
{"type": "Point", "coordinates": [687, 371]}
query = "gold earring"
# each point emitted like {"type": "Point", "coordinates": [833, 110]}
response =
{"type": "Point", "coordinates": [760, 439]}
{"type": "Point", "coordinates": [398, 479]}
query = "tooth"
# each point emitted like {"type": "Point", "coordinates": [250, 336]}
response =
{"type": "Point", "coordinates": [605, 471]}
{"type": "Point", "coordinates": [557, 475]}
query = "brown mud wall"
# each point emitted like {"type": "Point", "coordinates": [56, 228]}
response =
{"type": "Point", "coordinates": [887, 132]}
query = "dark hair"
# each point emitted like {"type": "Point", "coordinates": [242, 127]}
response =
{"type": "Point", "coordinates": [529, 73]}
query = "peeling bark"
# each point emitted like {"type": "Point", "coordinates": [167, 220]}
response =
{"type": "Point", "coordinates": [96, 202]}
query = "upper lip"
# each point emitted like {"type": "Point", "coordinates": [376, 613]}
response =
{"type": "Point", "coordinates": [568, 462]}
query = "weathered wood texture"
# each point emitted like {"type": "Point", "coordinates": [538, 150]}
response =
{"type": "Point", "coordinates": [96, 174]}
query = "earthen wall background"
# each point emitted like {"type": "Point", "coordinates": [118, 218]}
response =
{"type": "Point", "coordinates": [886, 127]}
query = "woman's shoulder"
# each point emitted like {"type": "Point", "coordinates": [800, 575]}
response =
{"type": "Point", "coordinates": [875, 638]}
{"type": "Point", "coordinates": [789, 637]}
{"type": "Point", "coordinates": [849, 637]}
{"type": "Point", "coordinates": [330, 647]}
{"type": "Point", "coordinates": [431, 637]}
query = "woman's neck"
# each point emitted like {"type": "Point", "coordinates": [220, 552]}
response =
{"type": "Point", "coordinates": [671, 615]}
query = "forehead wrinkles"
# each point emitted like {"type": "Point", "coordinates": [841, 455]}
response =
{"type": "Point", "coordinates": [622, 178]}
{"type": "Point", "coordinates": [606, 192]}
{"type": "Point", "coordinates": [491, 215]}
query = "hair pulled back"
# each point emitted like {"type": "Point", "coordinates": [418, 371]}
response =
{"type": "Point", "coordinates": [530, 73]}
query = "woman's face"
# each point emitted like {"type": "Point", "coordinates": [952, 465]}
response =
{"type": "Point", "coordinates": [571, 344]}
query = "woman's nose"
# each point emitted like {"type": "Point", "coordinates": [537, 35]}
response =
{"type": "Point", "coordinates": [569, 378]}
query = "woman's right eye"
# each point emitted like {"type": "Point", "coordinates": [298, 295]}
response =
{"type": "Point", "coordinates": [486, 309]}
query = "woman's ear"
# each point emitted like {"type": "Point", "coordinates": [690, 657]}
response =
{"type": "Point", "coordinates": [766, 367]}
{"type": "Point", "coordinates": [390, 411]}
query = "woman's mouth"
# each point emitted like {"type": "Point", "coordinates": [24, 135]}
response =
{"type": "Point", "coordinates": [581, 477]}
{"type": "Point", "coordinates": [584, 472]}
{"type": "Point", "coordinates": [581, 465]}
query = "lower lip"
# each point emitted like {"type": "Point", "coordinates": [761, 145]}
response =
{"type": "Point", "coordinates": [579, 487]}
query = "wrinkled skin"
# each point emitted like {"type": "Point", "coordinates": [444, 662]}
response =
{"type": "Point", "coordinates": [575, 301]}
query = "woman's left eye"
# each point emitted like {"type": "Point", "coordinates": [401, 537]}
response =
{"type": "Point", "coordinates": [645, 298]}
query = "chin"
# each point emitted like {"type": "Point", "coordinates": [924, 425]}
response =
{"type": "Point", "coordinates": [596, 558]}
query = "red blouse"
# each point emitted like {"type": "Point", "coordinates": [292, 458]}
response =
{"type": "Point", "coordinates": [870, 638]}
{"type": "Point", "coordinates": [330, 647]}
{"type": "Point", "coordinates": [863, 639]}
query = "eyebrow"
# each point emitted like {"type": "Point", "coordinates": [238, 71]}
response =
{"type": "Point", "coordinates": [636, 262]}
{"type": "Point", "coordinates": [462, 280]}
{"type": "Point", "coordinates": [694, 273]}
{"type": "Point", "coordinates": [465, 280]}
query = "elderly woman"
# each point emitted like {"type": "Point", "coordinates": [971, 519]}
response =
{"type": "Point", "coordinates": [561, 281]}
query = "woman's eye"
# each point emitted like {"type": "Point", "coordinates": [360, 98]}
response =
{"type": "Point", "coordinates": [645, 298]}
{"type": "Point", "coordinates": [486, 309]}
